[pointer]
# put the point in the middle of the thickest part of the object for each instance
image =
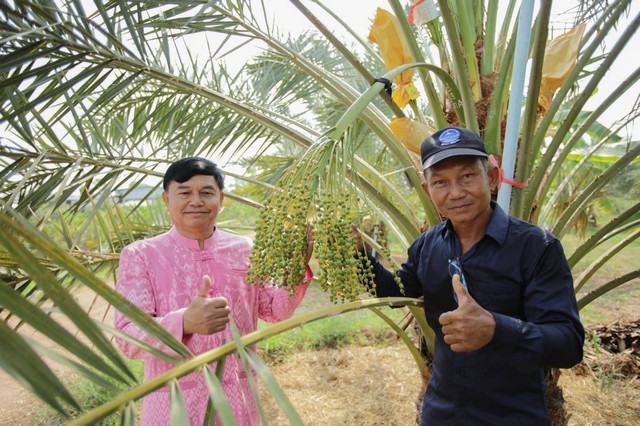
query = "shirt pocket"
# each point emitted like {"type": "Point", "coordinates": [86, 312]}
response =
{"type": "Point", "coordinates": [500, 297]}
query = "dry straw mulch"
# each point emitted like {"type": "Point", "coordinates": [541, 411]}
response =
{"type": "Point", "coordinates": [355, 385]}
{"type": "Point", "coordinates": [604, 389]}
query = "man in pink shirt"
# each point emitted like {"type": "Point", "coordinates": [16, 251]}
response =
{"type": "Point", "coordinates": [192, 281]}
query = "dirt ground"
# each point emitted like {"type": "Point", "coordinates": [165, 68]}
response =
{"type": "Point", "coordinates": [378, 385]}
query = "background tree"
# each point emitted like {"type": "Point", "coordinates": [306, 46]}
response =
{"type": "Point", "coordinates": [98, 97]}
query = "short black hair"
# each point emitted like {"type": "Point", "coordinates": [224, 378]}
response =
{"type": "Point", "coordinates": [184, 169]}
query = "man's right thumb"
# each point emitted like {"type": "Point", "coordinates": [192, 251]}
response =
{"type": "Point", "coordinates": [206, 286]}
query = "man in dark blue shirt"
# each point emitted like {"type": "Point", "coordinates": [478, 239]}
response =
{"type": "Point", "coordinates": [498, 293]}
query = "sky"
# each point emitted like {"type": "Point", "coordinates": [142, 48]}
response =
{"type": "Point", "coordinates": [360, 13]}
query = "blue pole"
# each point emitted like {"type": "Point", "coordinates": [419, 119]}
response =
{"type": "Point", "coordinates": [515, 101]}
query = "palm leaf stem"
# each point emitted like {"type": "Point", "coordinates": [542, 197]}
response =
{"type": "Point", "coordinates": [366, 97]}
{"type": "Point", "coordinates": [469, 119]}
{"type": "Point", "coordinates": [487, 65]}
{"type": "Point", "coordinates": [608, 230]}
{"type": "Point", "coordinates": [467, 31]}
{"type": "Point", "coordinates": [606, 287]}
{"type": "Point", "coordinates": [622, 229]}
{"type": "Point", "coordinates": [502, 40]}
{"type": "Point", "coordinates": [420, 318]}
{"type": "Point", "coordinates": [597, 264]}
{"type": "Point", "coordinates": [499, 100]}
{"type": "Point", "coordinates": [530, 115]}
{"type": "Point", "coordinates": [392, 143]}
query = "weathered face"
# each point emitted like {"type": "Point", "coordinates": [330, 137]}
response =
{"type": "Point", "coordinates": [194, 205]}
{"type": "Point", "coordinates": [460, 188]}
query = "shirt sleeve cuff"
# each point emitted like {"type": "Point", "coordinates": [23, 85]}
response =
{"type": "Point", "coordinates": [508, 332]}
{"type": "Point", "coordinates": [173, 323]}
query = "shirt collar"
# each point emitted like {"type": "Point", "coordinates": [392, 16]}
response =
{"type": "Point", "coordinates": [189, 242]}
{"type": "Point", "coordinates": [497, 228]}
{"type": "Point", "coordinates": [498, 224]}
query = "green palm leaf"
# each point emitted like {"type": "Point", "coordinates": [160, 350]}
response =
{"type": "Point", "coordinates": [100, 97]}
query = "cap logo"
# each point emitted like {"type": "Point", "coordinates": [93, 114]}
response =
{"type": "Point", "coordinates": [449, 137]}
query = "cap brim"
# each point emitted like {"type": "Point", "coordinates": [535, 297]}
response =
{"type": "Point", "coordinates": [451, 152]}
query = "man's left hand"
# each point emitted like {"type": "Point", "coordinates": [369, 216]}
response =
{"type": "Point", "coordinates": [469, 327]}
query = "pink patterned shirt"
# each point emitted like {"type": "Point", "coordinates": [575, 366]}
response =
{"type": "Point", "coordinates": [161, 275]}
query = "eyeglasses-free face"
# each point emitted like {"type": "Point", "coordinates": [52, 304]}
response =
{"type": "Point", "coordinates": [194, 205]}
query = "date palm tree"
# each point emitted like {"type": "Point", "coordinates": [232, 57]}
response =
{"type": "Point", "coordinates": [101, 96]}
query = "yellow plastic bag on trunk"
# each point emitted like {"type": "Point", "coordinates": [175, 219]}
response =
{"type": "Point", "coordinates": [386, 33]}
{"type": "Point", "coordinates": [410, 133]}
{"type": "Point", "coordinates": [560, 57]}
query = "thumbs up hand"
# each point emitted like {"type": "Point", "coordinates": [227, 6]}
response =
{"type": "Point", "coordinates": [206, 315]}
{"type": "Point", "coordinates": [470, 326]}
{"type": "Point", "coordinates": [204, 289]}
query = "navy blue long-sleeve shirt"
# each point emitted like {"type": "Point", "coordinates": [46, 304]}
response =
{"type": "Point", "coordinates": [519, 273]}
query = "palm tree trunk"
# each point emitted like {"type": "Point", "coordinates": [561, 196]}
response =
{"type": "Point", "coordinates": [554, 399]}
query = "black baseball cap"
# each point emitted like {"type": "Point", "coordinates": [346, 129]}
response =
{"type": "Point", "coordinates": [451, 142]}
